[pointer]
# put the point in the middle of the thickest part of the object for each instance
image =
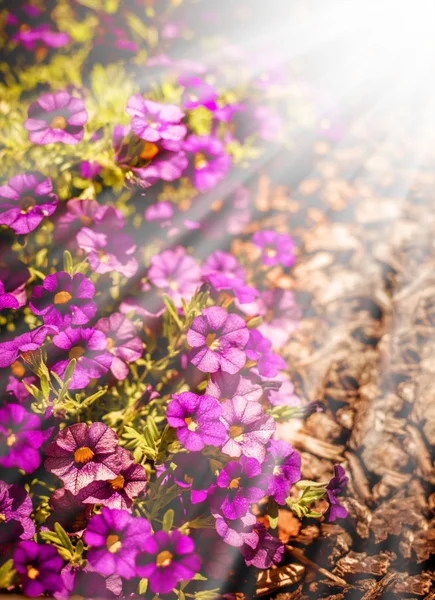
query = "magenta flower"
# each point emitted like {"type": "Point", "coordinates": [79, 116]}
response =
{"type": "Point", "coordinates": [210, 161]}
{"type": "Point", "coordinates": [80, 454]}
{"type": "Point", "coordinates": [83, 582]}
{"type": "Point", "coordinates": [285, 465]}
{"type": "Point", "coordinates": [120, 491]}
{"type": "Point", "coordinates": [165, 559]}
{"type": "Point", "coordinates": [276, 248]}
{"type": "Point", "coordinates": [334, 489]}
{"type": "Point", "coordinates": [68, 510]}
{"type": "Point", "coordinates": [238, 485]}
{"type": "Point", "coordinates": [239, 531]}
{"type": "Point", "coordinates": [89, 348]}
{"type": "Point", "coordinates": [122, 342]}
{"type": "Point", "coordinates": [57, 117]}
{"type": "Point", "coordinates": [63, 299]}
{"type": "Point", "coordinates": [15, 510]}
{"type": "Point", "coordinates": [115, 538]}
{"type": "Point", "coordinates": [79, 213]}
{"type": "Point", "coordinates": [24, 343]}
{"type": "Point", "coordinates": [193, 471]}
{"type": "Point", "coordinates": [259, 349]}
{"type": "Point", "coordinates": [17, 389]}
{"type": "Point", "coordinates": [197, 420]}
{"type": "Point", "coordinates": [217, 340]}
{"type": "Point", "coordinates": [14, 276]}
{"type": "Point", "coordinates": [40, 36]}
{"type": "Point", "coordinates": [7, 300]}
{"type": "Point", "coordinates": [224, 386]}
{"type": "Point", "coordinates": [108, 249]}
{"type": "Point", "coordinates": [153, 121]}
{"type": "Point", "coordinates": [89, 170]}
{"type": "Point", "coordinates": [39, 568]}
{"type": "Point", "coordinates": [160, 211]}
{"type": "Point", "coordinates": [269, 550]}
{"type": "Point", "coordinates": [176, 273]}
{"type": "Point", "coordinates": [284, 396]}
{"type": "Point", "coordinates": [20, 438]}
{"type": "Point", "coordinates": [248, 428]}
{"type": "Point", "coordinates": [25, 200]}
{"type": "Point", "coordinates": [197, 92]}
{"type": "Point", "coordinates": [224, 263]}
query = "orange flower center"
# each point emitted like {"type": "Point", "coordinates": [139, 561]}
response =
{"type": "Point", "coordinates": [32, 573]}
{"type": "Point", "coordinates": [117, 483]}
{"type": "Point", "coordinates": [191, 425]}
{"type": "Point", "coordinates": [113, 543]}
{"type": "Point", "coordinates": [270, 252]}
{"type": "Point", "coordinates": [83, 455]}
{"type": "Point", "coordinates": [18, 369]}
{"type": "Point", "coordinates": [85, 220]}
{"type": "Point", "coordinates": [110, 343]}
{"type": "Point", "coordinates": [11, 439]}
{"type": "Point", "coordinates": [234, 483]}
{"type": "Point", "coordinates": [149, 151]}
{"type": "Point", "coordinates": [211, 341]}
{"type": "Point", "coordinates": [62, 297]}
{"type": "Point", "coordinates": [58, 122]}
{"type": "Point", "coordinates": [236, 431]}
{"type": "Point", "coordinates": [164, 558]}
{"type": "Point", "coordinates": [2, 518]}
{"type": "Point", "coordinates": [188, 479]}
{"type": "Point", "coordinates": [76, 352]}
{"type": "Point", "coordinates": [200, 161]}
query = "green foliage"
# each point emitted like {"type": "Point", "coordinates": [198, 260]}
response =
{"type": "Point", "coordinates": [62, 541]}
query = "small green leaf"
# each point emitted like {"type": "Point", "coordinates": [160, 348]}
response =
{"type": "Point", "coordinates": [142, 587]}
{"type": "Point", "coordinates": [67, 262]}
{"type": "Point", "coordinates": [168, 520]}
{"type": "Point", "coordinates": [7, 573]}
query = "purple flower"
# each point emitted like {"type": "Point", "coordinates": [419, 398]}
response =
{"type": "Point", "coordinates": [25, 343]}
{"type": "Point", "coordinates": [7, 300]}
{"type": "Point", "coordinates": [160, 211]}
{"type": "Point", "coordinates": [57, 117]}
{"type": "Point", "coordinates": [239, 531]}
{"type": "Point", "coordinates": [225, 264]}
{"type": "Point", "coordinates": [89, 348]}
{"type": "Point", "coordinates": [115, 538]}
{"type": "Point", "coordinates": [79, 213]}
{"type": "Point", "coordinates": [285, 465]}
{"type": "Point", "coordinates": [176, 273]}
{"type": "Point", "coordinates": [16, 388]}
{"type": "Point", "coordinates": [193, 471]}
{"type": "Point", "coordinates": [224, 386]}
{"type": "Point", "coordinates": [15, 509]}
{"type": "Point", "coordinates": [333, 489]}
{"type": "Point", "coordinates": [269, 550]}
{"type": "Point", "coordinates": [284, 396]}
{"type": "Point", "coordinates": [217, 340]}
{"type": "Point", "coordinates": [20, 438]}
{"type": "Point", "coordinates": [118, 492]}
{"type": "Point", "coordinates": [197, 92]}
{"type": "Point", "coordinates": [25, 201]}
{"type": "Point", "coordinates": [39, 567]}
{"type": "Point", "coordinates": [276, 248]}
{"type": "Point", "coordinates": [69, 511]}
{"type": "Point", "coordinates": [89, 170]}
{"type": "Point", "coordinates": [122, 342]}
{"type": "Point", "coordinates": [80, 454]}
{"type": "Point", "coordinates": [167, 558]}
{"type": "Point", "coordinates": [108, 248]}
{"type": "Point", "coordinates": [14, 276]}
{"type": "Point", "coordinates": [210, 161]}
{"type": "Point", "coordinates": [248, 428]}
{"type": "Point", "coordinates": [153, 121]}
{"type": "Point", "coordinates": [259, 349]}
{"type": "Point", "coordinates": [238, 485]}
{"type": "Point", "coordinates": [42, 34]}
{"type": "Point", "coordinates": [85, 583]}
{"type": "Point", "coordinates": [197, 420]}
{"type": "Point", "coordinates": [63, 299]}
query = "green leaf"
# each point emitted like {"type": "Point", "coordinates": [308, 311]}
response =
{"type": "Point", "coordinates": [172, 310]}
{"type": "Point", "coordinates": [142, 587]}
{"type": "Point", "coordinates": [7, 573]}
{"type": "Point", "coordinates": [69, 372]}
{"type": "Point", "coordinates": [64, 538]}
{"type": "Point", "coordinates": [67, 262]}
{"type": "Point", "coordinates": [168, 520]}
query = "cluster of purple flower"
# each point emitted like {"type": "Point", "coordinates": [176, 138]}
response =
{"type": "Point", "coordinates": [142, 390]}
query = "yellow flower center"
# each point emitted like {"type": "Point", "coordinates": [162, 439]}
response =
{"type": "Point", "coordinates": [85, 220]}
{"type": "Point", "coordinates": [200, 161]}
{"type": "Point", "coordinates": [191, 425]}
{"type": "Point", "coordinates": [276, 470]}
{"type": "Point", "coordinates": [83, 455]}
{"type": "Point", "coordinates": [58, 122]}
{"type": "Point", "coordinates": [236, 432]}
{"type": "Point", "coordinates": [149, 151]}
{"type": "Point", "coordinates": [211, 341]}
{"type": "Point", "coordinates": [11, 439]}
{"type": "Point", "coordinates": [26, 203]}
{"type": "Point", "coordinates": [2, 518]}
{"type": "Point", "coordinates": [110, 343]}
{"type": "Point", "coordinates": [76, 352]}
{"type": "Point", "coordinates": [270, 252]}
{"type": "Point", "coordinates": [32, 573]}
{"type": "Point", "coordinates": [113, 543]}
{"type": "Point", "coordinates": [117, 483]}
{"type": "Point", "coordinates": [188, 479]}
{"type": "Point", "coordinates": [164, 558]}
{"type": "Point", "coordinates": [234, 483]}
{"type": "Point", "coordinates": [62, 297]}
